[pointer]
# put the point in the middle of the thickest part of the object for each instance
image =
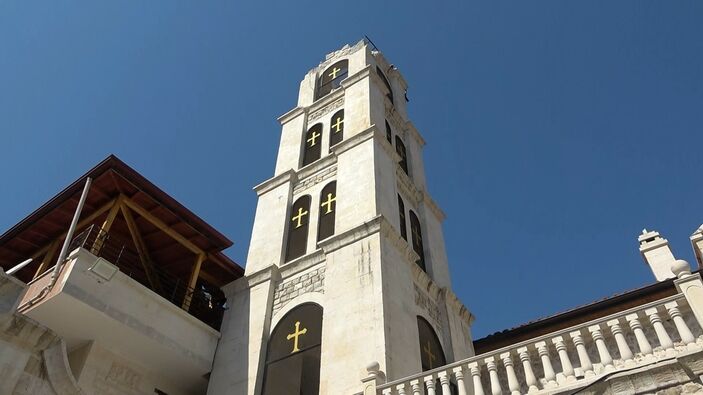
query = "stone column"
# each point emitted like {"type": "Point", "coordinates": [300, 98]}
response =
{"type": "Point", "coordinates": [691, 286]}
{"type": "Point", "coordinates": [373, 378]}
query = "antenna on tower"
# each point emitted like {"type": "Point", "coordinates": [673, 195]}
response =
{"type": "Point", "coordinates": [371, 42]}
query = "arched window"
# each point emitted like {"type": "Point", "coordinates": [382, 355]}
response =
{"type": "Point", "coordinates": [416, 235]}
{"type": "Point", "coordinates": [337, 128]}
{"type": "Point", "coordinates": [332, 78]}
{"type": "Point", "coordinates": [298, 228]}
{"type": "Point", "coordinates": [389, 133]}
{"type": "Point", "coordinates": [401, 215]}
{"type": "Point", "coordinates": [293, 354]}
{"type": "Point", "coordinates": [400, 149]}
{"type": "Point", "coordinates": [313, 144]}
{"type": "Point", "coordinates": [386, 83]}
{"type": "Point", "coordinates": [328, 208]}
{"type": "Point", "coordinates": [431, 353]}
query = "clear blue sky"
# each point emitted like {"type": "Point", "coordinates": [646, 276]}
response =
{"type": "Point", "coordinates": [556, 130]}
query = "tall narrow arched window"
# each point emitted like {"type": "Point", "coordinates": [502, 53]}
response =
{"type": "Point", "coordinates": [332, 78]}
{"type": "Point", "coordinates": [389, 133]}
{"type": "Point", "coordinates": [400, 149]}
{"type": "Point", "coordinates": [313, 144]}
{"type": "Point", "coordinates": [337, 128]}
{"type": "Point", "coordinates": [386, 83]}
{"type": "Point", "coordinates": [416, 235]}
{"type": "Point", "coordinates": [298, 225]}
{"type": "Point", "coordinates": [293, 353]}
{"type": "Point", "coordinates": [431, 353]}
{"type": "Point", "coordinates": [328, 209]}
{"type": "Point", "coordinates": [401, 215]}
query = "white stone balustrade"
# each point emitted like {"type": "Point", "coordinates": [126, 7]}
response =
{"type": "Point", "coordinates": [567, 359]}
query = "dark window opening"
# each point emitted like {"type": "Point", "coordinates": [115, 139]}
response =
{"type": "Point", "coordinates": [332, 78]}
{"type": "Point", "coordinates": [401, 215]}
{"type": "Point", "coordinates": [337, 128]}
{"type": "Point", "coordinates": [386, 83]}
{"type": "Point", "coordinates": [416, 235]}
{"type": "Point", "coordinates": [298, 225]}
{"type": "Point", "coordinates": [293, 355]}
{"type": "Point", "coordinates": [400, 149]}
{"type": "Point", "coordinates": [389, 133]}
{"type": "Point", "coordinates": [328, 209]}
{"type": "Point", "coordinates": [313, 144]}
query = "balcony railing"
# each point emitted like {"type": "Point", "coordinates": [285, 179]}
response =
{"type": "Point", "coordinates": [206, 302]}
{"type": "Point", "coordinates": [567, 359]}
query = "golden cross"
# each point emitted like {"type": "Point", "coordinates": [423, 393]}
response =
{"type": "Point", "coordinates": [299, 217]}
{"type": "Point", "coordinates": [313, 138]}
{"type": "Point", "coordinates": [328, 203]}
{"type": "Point", "coordinates": [428, 352]}
{"type": "Point", "coordinates": [295, 336]}
{"type": "Point", "coordinates": [334, 72]}
{"type": "Point", "coordinates": [338, 126]}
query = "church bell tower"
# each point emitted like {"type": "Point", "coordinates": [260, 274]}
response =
{"type": "Point", "coordinates": [346, 264]}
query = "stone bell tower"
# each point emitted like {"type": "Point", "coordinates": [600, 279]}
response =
{"type": "Point", "coordinates": [347, 264]}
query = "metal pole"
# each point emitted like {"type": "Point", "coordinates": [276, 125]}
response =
{"type": "Point", "coordinates": [20, 266]}
{"type": "Point", "coordinates": [69, 236]}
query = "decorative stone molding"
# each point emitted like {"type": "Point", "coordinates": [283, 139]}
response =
{"type": "Point", "coordinates": [300, 264]}
{"type": "Point", "coordinates": [354, 140]}
{"type": "Point", "coordinates": [327, 106]}
{"type": "Point", "coordinates": [406, 185]}
{"type": "Point", "coordinates": [454, 303]}
{"type": "Point", "coordinates": [414, 133]}
{"type": "Point", "coordinates": [426, 303]}
{"type": "Point", "coordinates": [336, 55]}
{"type": "Point", "coordinates": [352, 235]}
{"type": "Point", "coordinates": [354, 78]}
{"type": "Point", "coordinates": [269, 273]}
{"type": "Point", "coordinates": [312, 281]}
{"type": "Point", "coordinates": [429, 202]}
{"type": "Point", "coordinates": [386, 145]}
{"type": "Point", "coordinates": [401, 245]}
{"type": "Point", "coordinates": [294, 113]}
{"type": "Point", "coordinates": [271, 183]}
{"type": "Point", "coordinates": [320, 176]}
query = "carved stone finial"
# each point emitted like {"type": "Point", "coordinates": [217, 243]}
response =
{"type": "Point", "coordinates": [681, 268]}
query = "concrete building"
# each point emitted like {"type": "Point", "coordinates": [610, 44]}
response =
{"type": "Point", "coordinates": [346, 287]}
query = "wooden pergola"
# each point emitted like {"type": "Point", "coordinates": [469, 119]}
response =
{"type": "Point", "coordinates": [166, 236]}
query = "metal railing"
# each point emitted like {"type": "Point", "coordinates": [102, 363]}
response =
{"type": "Point", "coordinates": [206, 302]}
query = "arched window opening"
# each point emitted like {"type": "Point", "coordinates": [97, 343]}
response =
{"type": "Point", "coordinates": [328, 209]}
{"type": "Point", "coordinates": [386, 83]}
{"type": "Point", "coordinates": [400, 149]}
{"type": "Point", "coordinates": [298, 225]}
{"type": "Point", "coordinates": [293, 353]}
{"type": "Point", "coordinates": [389, 133]}
{"type": "Point", "coordinates": [332, 78]}
{"type": "Point", "coordinates": [416, 235]}
{"type": "Point", "coordinates": [431, 353]}
{"type": "Point", "coordinates": [337, 128]}
{"type": "Point", "coordinates": [313, 144]}
{"type": "Point", "coordinates": [401, 215]}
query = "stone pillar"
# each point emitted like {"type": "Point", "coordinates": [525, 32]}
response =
{"type": "Point", "coordinates": [657, 254]}
{"type": "Point", "coordinates": [691, 286]}
{"type": "Point", "coordinates": [697, 244]}
{"type": "Point", "coordinates": [373, 378]}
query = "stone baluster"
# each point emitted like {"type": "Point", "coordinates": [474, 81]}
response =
{"type": "Point", "coordinates": [373, 379]}
{"type": "Point", "coordinates": [459, 376]}
{"type": "Point", "coordinates": [493, 374]}
{"type": "Point", "coordinates": [584, 359]}
{"type": "Point", "coordinates": [623, 348]}
{"type": "Point", "coordinates": [605, 359]}
{"type": "Point", "coordinates": [513, 384]}
{"type": "Point", "coordinates": [530, 378]}
{"type": "Point", "coordinates": [566, 368]}
{"type": "Point", "coordinates": [673, 309]}
{"type": "Point", "coordinates": [662, 336]}
{"type": "Point", "coordinates": [416, 387]}
{"type": "Point", "coordinates": [400, 389]}
{"type": "Point", "coordinates": [429, 384]}
{"type": "Point", "coordinates": [642, 342]}
{"type": "Point", "coordinates": [387, 391]}
{"type": "Point", "coordinates": [476, 378]}
{"type": "Point", "coordinates": [444, 382]}
{"type": "Point", "coordinates": [549, 376]}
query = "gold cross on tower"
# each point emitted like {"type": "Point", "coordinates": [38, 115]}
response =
{"type": "Point", "coordinates": [428, 351]}
{"type": "Point", "coordinates": [301, 213]}
{"type": "Point", "coordinates": [328, 203]}
{"type": "Point", "coordinates": [334, 72]}
{"type": "Point", "coordinates": [313, 138]}
{"type": "Point", "coordinates": [338, 125]}
{"type": "Point", "coordinates": [297, 333]}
